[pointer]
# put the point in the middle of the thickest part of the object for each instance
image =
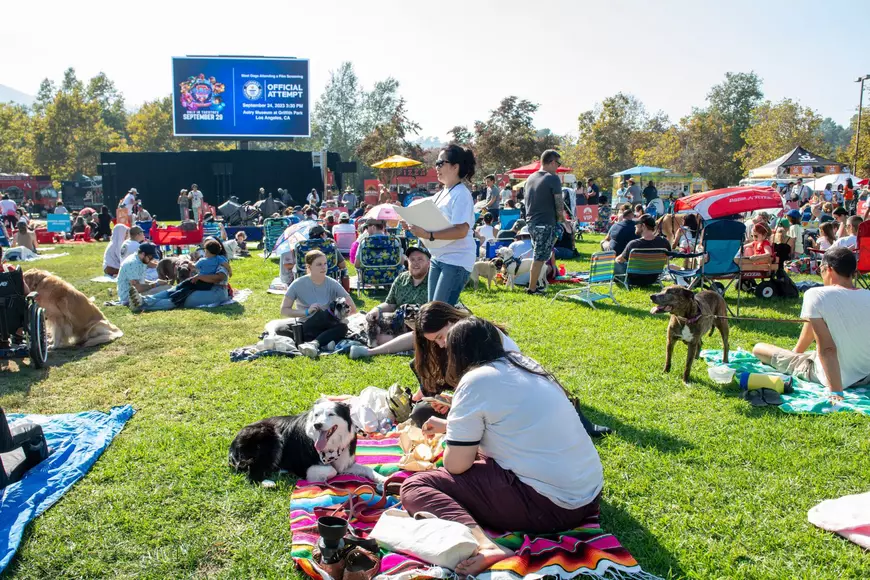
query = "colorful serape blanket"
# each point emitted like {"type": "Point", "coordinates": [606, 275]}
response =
{"type": "Point", "coordinates": [807, 397]}
{"type": "Point", "coordinates": [586, 551]}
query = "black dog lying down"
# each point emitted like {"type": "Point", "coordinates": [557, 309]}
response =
{"type": "Point", "coordinates": [315, 445]}
{"type": "Point", "coordinates": [392, 323]}
{"type": "Point", "coordinates": [692, 316]}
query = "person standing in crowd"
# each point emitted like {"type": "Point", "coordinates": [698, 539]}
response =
{"type": "Point", "coordinates": [196, 199]}
{"type": "Point", "coordinates": [60, 208]}
{"type": "Point", "coordinates": [544, 212]}
{"type": "Point", "coordinates": [451, 263]}
{"type": "Point", "coordinates": [802, 191]}
{"type": "Point", "coordinates": [183, 205]}
{"type": "Point", "coordinates": [9, 210]}
{"type": "Point", "coordinates": [493, 196]}
{"type": "Point", "coordinates": [349, 200]}
{"type": "Point", "coordinates": [828, 193]}
{"type": "Point", "coordinates": [634, 194]}
{"type": "Point", "coordinates": [849, 196]}
{"type": "Point", "coordinates": [621, 196]}
{"type": "Point", "coordinates": [592, 192]}
{"type": "Point", "coordinates": [650, 192]}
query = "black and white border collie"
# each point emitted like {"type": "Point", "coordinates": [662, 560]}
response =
{"type": "Point", "coordinates": [315, 445]}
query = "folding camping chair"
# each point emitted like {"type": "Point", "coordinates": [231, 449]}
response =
{"type": "Point", "coordinates": [380, 261]}
{"type": "Point", "coordinates": [722, 241]}
{"type": "Point", "coordinates": [600, 276]}
{"type": "Point", "coordinates": [272, 230]}
{"type": "Point", "coordinates": [212, 230]}
{"type": "Point", "coordinates": [507, 218]}
{"type": "Point", "coordinates": [4, 238]}
{"type": "Point", "coordinates": [344, 241]}
{"type": "Point", "coordinates": [864, 254]}
{"type": "Point", "coordinates": [644, 262]}
{"type": "Point", "coordinates": [325, 246]}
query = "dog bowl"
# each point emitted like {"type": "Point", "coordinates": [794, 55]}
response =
{"type": "Point", "coordinates": [721, 374]}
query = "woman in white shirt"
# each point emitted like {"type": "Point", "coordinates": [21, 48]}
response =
{"type": "Point", "coordinates": [536, 457]}
{"type": "Point", "coordinates": [451, 262]}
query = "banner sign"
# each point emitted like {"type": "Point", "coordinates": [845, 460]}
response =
{"type": "Point", "coordinates": [240, 97]}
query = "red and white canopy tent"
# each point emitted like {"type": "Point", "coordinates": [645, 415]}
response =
{"type": "Point", "coordinates": [527, 170]}
{"type": "Point", "coordinates": [719, 203]}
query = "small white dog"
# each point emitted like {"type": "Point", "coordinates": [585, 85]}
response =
{"type": "Point", "coordinates": [514, 267]}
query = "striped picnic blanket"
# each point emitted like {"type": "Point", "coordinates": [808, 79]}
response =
{"type": "Point", "coordinates": [585, 551]}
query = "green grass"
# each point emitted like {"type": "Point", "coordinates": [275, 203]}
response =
{"type": "Point", "coordinates": [697, 483]}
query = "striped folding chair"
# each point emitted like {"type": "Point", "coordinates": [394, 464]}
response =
{"type": "Point", "coordinates": [600, 278]}
{"type": "Point", "coordinates": [644, 263]}
{"type": "Point", "coordinates": [272, 230]}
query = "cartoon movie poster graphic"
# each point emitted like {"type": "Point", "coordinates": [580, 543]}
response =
{"type": "Point", "coordinates": [229, 97]}
{"type": "Point", "coordinates": [200, 94]}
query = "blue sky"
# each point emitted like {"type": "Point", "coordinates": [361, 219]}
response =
{"type": "Point", "coordinates": [455, 61]}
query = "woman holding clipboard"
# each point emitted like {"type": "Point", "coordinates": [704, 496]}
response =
{"type": "Point", "coordinates": [451, 262]}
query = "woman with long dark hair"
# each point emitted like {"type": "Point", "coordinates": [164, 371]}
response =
{"type": "Point", "coordinates": [434, 322]}
{"type": "Point", "coordinates": [451, 261]}
{"type": "Point", "coordinates": [536, 457]}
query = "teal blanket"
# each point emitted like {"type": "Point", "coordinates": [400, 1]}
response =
{"type": "Point", "coordinates": [806, 398]}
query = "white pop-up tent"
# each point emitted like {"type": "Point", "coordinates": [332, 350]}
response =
{"type": "Point", "coordinates": [835, 179]}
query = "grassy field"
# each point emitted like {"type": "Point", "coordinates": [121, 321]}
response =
{"type": "Point", "coordinates": [697, 483]}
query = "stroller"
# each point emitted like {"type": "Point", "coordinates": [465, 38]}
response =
{"type": "Point", "coordinates": [236, 214]}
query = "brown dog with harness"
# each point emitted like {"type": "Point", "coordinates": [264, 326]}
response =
{"type": "Point", "coordinates": [692, 316]}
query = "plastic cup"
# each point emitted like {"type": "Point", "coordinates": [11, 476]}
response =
{"type": "Point", "coordinates": [721, 374]}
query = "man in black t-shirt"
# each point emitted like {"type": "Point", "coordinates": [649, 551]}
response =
{"type": "Point", "coordinates": [646, 228]}
{"type": "Point", "coordinates": [593, 192]}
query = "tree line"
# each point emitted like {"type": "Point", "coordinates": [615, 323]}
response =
{"type": "Point", "coordinates": [737, 129]}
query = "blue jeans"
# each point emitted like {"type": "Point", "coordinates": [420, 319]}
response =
{"type": "Point", "coordinates": [161, 300]}
{"type": "Point", "coordinates": [446, 281]}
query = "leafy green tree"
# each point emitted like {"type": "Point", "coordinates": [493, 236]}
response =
{"type": "Point", "coordinates": [508, 138]}
{"type": "Point", "coordinates": [338, 116]}
{"type": "Point", "coordinates": [778, 128]}
{"type": "Point", "coordinates": [150, 129]}
{"type": "Point", "coordinates": [461, 135]}
{"type": "Point", "coordinates": [391, 138]}
{"type": "Point", "coordinates": [862, 166]}
{"type": "Point", "coordinates": [837, 137]}
{"type": "Point", "coordinates": [16, 143]}
{"type": "Point", "coordinates": [102, 90]}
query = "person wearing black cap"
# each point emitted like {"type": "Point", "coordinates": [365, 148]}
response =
{"type": "Point", "coordinates": [648, 240]}
{"type": "Point", "coordinates": [319, 232]}
{"type": "Point", "coordinates": [410, 287]}
{"type": "Point", "coordinates": [133, 270]}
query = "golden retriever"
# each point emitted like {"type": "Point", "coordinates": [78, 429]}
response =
{"type": "Point", "coordinates": [71, 319]}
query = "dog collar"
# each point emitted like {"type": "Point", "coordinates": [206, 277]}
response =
{"type": "Point", "coordinates": [697, 317]}
{"type": "Point", "coordinates": [330, 456]}
{"type": "Point", "coordinates": [513, 260]}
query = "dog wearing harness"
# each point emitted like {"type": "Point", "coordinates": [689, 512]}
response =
{"type": "Point", "coordinates": [692, 316]}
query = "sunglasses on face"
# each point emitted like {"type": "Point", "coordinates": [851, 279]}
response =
{"type": "Point", "coordinates": [440, 163]}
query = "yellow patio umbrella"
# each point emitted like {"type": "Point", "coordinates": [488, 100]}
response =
{"type": "Point", "coordinates": [396, 162]}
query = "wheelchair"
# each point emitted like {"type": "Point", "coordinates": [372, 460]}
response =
{"type": "Point", "coordinates": [20, 311]}
{"type": "Point", "coordinates": [21, 448]}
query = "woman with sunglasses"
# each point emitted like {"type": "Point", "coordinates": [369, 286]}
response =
{"type": "Point", "coordinates": [451, 262]}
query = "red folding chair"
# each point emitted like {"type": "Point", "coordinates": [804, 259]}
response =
{"type": "Point", "coordinates": [863, 250]}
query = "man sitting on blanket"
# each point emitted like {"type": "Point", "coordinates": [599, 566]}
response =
{"type": "Point", "coordinates": [837, 318]}
{"type": "Point", "coordinates": [134, 269]}
{"type": "Point", "coordinates": [410, 287]}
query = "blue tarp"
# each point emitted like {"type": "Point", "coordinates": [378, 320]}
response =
{"type": "Point", "coordinates": [641, 170]}
{"type": "Point", "coordinates": [76, 442]}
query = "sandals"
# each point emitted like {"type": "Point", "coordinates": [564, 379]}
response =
{"type": "Point", "coordinates": [762, 397]}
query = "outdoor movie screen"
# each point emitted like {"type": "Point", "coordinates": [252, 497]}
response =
{"type": "Point", "coordinates": [240, 97]}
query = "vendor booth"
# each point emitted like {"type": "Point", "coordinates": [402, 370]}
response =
{"type": "Point", "coordinates": [670, 185]}
{"type": "Point", "coordinates": [797, 163]}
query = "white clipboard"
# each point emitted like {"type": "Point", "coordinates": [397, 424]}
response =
{"type": "Point", "coordinates": [423, 213]}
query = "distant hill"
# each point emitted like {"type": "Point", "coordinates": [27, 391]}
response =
{"type": "Point", "coordinates": [9, 94]}
{"type": "Point", "coordinates": [429, 142]}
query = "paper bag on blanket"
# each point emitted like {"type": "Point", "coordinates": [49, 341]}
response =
{"type": "Point", "coordinates": [420, 453]}
{"type": "Point", "coordinates": [439, 542]}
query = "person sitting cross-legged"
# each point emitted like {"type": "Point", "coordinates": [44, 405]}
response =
{"type": "Point", "coordinates": [409, 288]}
{"type": "Point", "coordinates": [308, 299]}
{"type": "Point", "coordinates": [837, 318]}
{"type": "Point", "coordinates": [505, 469]}
{"type": "Point", "coordinates": [133, 272]}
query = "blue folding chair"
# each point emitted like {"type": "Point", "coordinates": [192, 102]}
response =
{"type": "Point", "coordinates": [507, 218]}
{"type": "Point", "coordinates": [722, 241]}
{"type": "Point", "coordinates": [4, 239]}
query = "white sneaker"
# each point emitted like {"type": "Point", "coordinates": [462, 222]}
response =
{"type": "Point", "coordinates": [135, 300]}
{"type": "Point", "coordinates": [358, 351]}
{"type": "Point", "coordinates": [310, 349]}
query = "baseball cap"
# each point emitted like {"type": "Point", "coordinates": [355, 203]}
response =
{"type": "Point", "coordinates": [344, 216]}
{"type": "Point", "coordinates": [148, 249]}
{"type": "Point", "coordinates": [297, 208]}
{"type": "Point", "coordinates": [316, 231]}
{"type": "Point", "coordinates": [794, 213]}
{"type": "Point", "coordinates": [524, 231]}
{"type": "Point", "coordinates": [520, 224]}
{"type": "Point", "coordinates": [420, 249]}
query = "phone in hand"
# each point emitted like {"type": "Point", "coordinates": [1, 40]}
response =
{"type": "Point", "coordinates": [437, 400]}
